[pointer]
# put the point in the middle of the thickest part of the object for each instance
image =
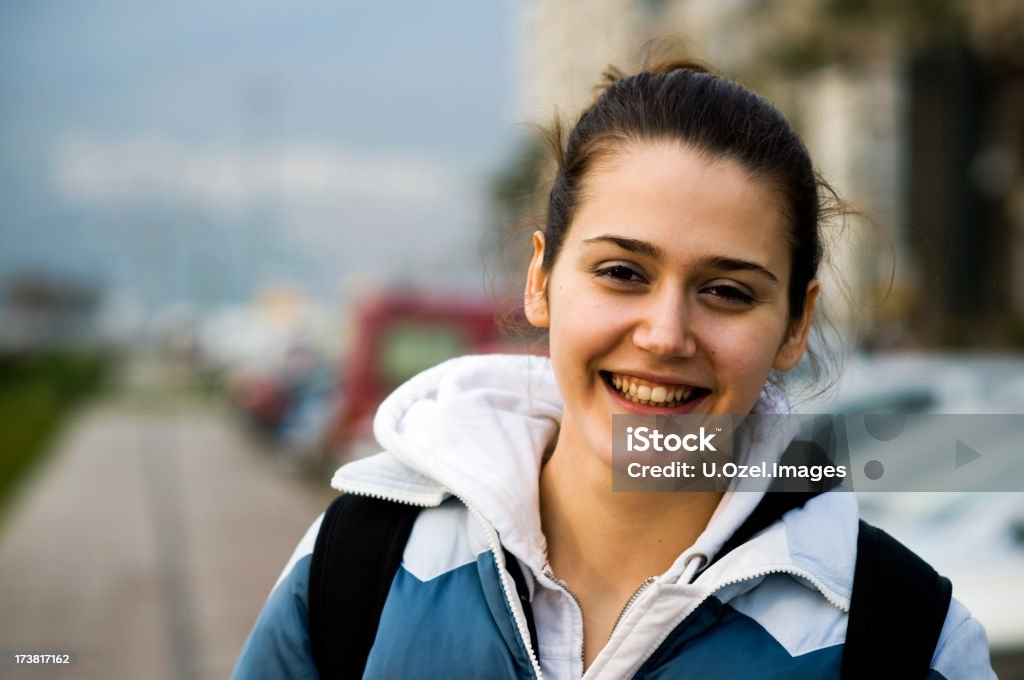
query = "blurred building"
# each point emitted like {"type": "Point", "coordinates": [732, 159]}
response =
{"type": "Point", "coordinates": [913, 111]}
{"type": "Point", "coordinates": [40, 311]}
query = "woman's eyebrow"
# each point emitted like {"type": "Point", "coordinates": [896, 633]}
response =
{"type": "Point", "coordinates": [734, 264]}
{"type": "Point", "coordinates": [631, 244]}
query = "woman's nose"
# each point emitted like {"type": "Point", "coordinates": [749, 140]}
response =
{"type": "Point", "coordinates": [665, 328]}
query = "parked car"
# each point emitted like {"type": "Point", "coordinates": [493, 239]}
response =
{"type": "Point", "coordinates": [976, 538]}
{"type": "Point", "coordinates": [280, 400]}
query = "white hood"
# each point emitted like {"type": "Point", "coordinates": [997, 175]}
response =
{"type": "Point", "coordinates": [477, 427]}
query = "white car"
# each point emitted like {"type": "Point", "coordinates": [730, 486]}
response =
{"type": "Point", "coordinates": [976, 538]}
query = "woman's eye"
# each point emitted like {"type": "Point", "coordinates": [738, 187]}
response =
{"type": "Point", "coordinates": [731, 294]}
{"type": "Point", "coordinates": [620, 273]}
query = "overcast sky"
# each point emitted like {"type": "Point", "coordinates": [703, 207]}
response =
{"type": "Point", "coordinates": [203, 150]}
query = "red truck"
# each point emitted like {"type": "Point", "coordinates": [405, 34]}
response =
{"type": "Point", "coordinates": [397, 336]}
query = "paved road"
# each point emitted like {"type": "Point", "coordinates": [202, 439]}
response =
{"type": "Point", "coordinates": [146, 545]}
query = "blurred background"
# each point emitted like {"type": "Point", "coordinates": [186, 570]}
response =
{"type": "Point", "coordinates": [228, 230]}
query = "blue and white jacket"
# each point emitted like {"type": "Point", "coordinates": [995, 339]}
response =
{"type": "Point", "coordinates": [464, 440]}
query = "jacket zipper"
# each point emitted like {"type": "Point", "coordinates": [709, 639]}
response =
{"type": "Point", "coordinates": [632, 598]}
{"type": "Point", "coordinates": [495, 547]}
{"type": "Point", "coordinates": [739, 579]}
{"type": "Point", "coordinates": [636, 596]}
{"type": "Point", "coordinates": [579, 605]}
{"type": "Point", "coordinates": [792, 571]}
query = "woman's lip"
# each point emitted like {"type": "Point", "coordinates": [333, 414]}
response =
{"type": "Point", "coordinates": [660, 380]}
{"type": "Point", "coordinates": [627, 406]}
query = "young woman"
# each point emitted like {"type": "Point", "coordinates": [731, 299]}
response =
{"type": "Point", "coordinates": [676, 274]}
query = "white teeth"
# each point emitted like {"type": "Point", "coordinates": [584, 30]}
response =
{"type": "Point", "coordinates": [659, 395]}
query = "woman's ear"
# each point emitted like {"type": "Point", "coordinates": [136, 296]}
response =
{"type": "Point", "coordinates": [535, 298]}
{"type": "Point", "coordinates": [795, 343]}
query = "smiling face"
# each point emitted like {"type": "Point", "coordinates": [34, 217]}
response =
{"type": "Point", "coordinates": [669, 294]}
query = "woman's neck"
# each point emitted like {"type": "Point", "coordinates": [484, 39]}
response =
{"type": "Point", "coordinates": [604, 545]}
{"type": "Point", "coordinates": [620, 538]}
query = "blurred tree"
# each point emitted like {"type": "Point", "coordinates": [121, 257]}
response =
{"type": "Point", "coordinates": [849, 31]}
{"type": "Point", "coordinates": [516, 196]}
{"type": "Point", "coordinates": [962, 71]}
{"type": "Point", "coordinates": [513, 190]}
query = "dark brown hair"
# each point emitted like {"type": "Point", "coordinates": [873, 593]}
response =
{"type": "Point", "coordinates": [682, 102]}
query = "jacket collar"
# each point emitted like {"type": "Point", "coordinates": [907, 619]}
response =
{"type": "Point", "coordinates": [475, 427]}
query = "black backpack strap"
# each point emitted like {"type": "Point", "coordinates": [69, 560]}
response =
{"type": "Point", "coordinates": [897, 610]}
{"type": "Point", "coordinates": [516, 572]}
{"type": "Point", "coordinates": [357, 553]}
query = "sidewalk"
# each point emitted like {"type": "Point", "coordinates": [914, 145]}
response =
{"type": "Point", "coordinates": [146, 544]}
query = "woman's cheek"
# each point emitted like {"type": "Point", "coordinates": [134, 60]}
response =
{"type": "Point", "coordinates": [586, 320]}
{"type": "Point", "coordinates": [745, 352]}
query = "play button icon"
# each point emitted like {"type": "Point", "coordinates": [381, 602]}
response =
{"type": "Point", "coordinates": [964, 454]}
